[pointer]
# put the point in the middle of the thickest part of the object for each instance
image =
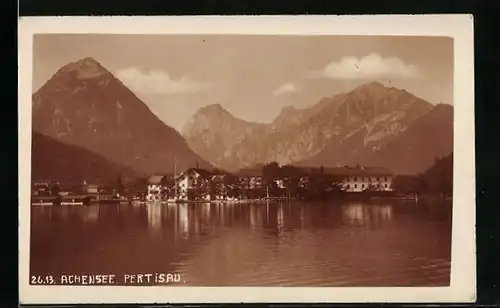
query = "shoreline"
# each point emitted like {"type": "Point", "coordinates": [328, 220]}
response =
{"type": "Point", "coordinates": [54, 201]}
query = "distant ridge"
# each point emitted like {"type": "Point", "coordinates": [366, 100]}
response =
{"type": "Point", "coordinates": [366, 125]}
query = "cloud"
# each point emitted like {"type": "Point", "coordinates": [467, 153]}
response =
{"type": "Point", "coordinates": [158, 82]}
{"type": "Point", "coordinates": [368, 67]}
{"type": "Point", "coordinates": [286, 88]}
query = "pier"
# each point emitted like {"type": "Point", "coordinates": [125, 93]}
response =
{"type": "Point", "coordinates": [72, 200]}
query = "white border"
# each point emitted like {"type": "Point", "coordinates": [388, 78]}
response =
{"type": "Point", "coordinates": [463, 265]}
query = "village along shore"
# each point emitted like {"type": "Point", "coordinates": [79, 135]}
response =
{"type": "Point", "coordinates": [269, 183]}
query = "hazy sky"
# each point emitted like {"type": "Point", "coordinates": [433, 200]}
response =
{"type": "Point", "coordinates": [253, 77]}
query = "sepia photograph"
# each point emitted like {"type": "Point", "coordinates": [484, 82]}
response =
{"type": "Point", "coordinates": [171, 162]}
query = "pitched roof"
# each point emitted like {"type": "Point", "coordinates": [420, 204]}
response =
{"type": "Point", "coordinates": [350, 171]}
{"type": "Point", "coordinates": [358, 171]}
{"type": "Point", "coordinates": [202, 172]}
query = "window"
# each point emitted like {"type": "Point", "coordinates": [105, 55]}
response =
{"type": "Point", "coordinates": [355, 179]}
{"type": "Point", "coordinates": [355, 185]}
{"type": "Point", "coordinates": [362, 185]}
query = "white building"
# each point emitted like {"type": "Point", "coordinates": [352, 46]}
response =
{"type": "Point", "coordinates": [194, 183]}
{"type": "Point", "coordinates": [355, 179]}
{"type": "Point", "coordinates": [155, 188]}
{"type": "Point", "coordinates": [359, 179]}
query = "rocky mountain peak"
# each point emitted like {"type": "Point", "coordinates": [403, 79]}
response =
{"type": "Point", "coordinates": [212, 108]}
{"type": "Point", "coordinates": [85, 105]}
{"type": "Point", "coordinates": [371, 88]}
{"type": "Point", "coordinates": [212, 112]}
{"type": "Point", "coordinates": [85, 68]}
{"type": "Point", "coordinates": [288, 109]}
{"type": "Point", "coordinates": [346, 128]}
{"type": "Point", "coordinates": [287, 116]}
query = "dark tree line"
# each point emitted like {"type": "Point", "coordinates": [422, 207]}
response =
{"type": "Point", "coordinates": [437, 180]}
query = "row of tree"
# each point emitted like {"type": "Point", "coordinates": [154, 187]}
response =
{"type": "Point", "coordinates": [437, 180]}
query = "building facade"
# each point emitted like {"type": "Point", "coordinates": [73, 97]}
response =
{"type": "Point", "coordinates": [194, 184]}
{"type": "Point", "coordinates": [155, 188]}
{"type": "Point", "coordinates": [364, 179]}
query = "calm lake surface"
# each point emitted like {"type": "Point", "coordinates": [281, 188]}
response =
{"type": "Point", "coordinates": [296, 244]}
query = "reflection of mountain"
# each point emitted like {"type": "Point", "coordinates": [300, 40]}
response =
{"type": "Point", "coordinates": [366, 126]}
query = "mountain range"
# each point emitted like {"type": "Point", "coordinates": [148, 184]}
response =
{"type": "Point", "coordinates": [371, 125]}
{"type": "Point", "coordinates": [87, 123]}
{"type": "Point", "coordinates": [85, 106]}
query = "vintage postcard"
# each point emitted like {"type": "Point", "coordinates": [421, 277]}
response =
{"type": "Point", "coordinates": [287, 159]}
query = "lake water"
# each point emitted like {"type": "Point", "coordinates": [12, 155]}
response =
{"type": "Point", "coordinates": [297, 244]}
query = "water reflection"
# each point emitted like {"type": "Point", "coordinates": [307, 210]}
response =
{"type": "Point", "coordinates": [366, 215]}
{"type": "Point", "coordinates": [243, 244]}
{"type": "Point", "coordinates": [280, 220]}
{"type": "Point", "coordinates": [89, 214]}
{"type": "Point", "coordinates": [154, 215]}
{"type": "Point", "coordinates": [183, 220]}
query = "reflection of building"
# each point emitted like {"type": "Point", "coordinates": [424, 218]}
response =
{"type": "Point", "coordinates": [360, 214]}
{"type": "Point", "coordinates": [183, 218]}
{"type": "Point", "coordinates": [252, 217]}
{"type": "Point", "coordinates": [387, 212]}
{"type": "Point", "coordinates": [154, 215]}
{"type": "Point", "coordinates": [280, 219]}
{"type": "Point", "coordinates": [90, 213]}
{"type": "Point", "coordinates": [354, 214]}
{"type": "Point", "coordinates": [206, 212]}
{"type": "Point", "coordinates": [383, 212]}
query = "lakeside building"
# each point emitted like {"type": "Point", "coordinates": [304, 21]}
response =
{"type": "Point", "coordinates": [250, 178]}
{"type": "Point", "coordinates": [359, 179]}
{"type": "Point", "coordinates": [92, 188]}
{"type": "Point", "coordinates": [203, 185]}
{"type": "Point", "coordinates": [154, 188]}
{"type": "Point", "coordinates": [355, 178]}
{"type": "Point", "coordinates": [193, 183]}
{"type": "Point", "coordinates": [40, 188]}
